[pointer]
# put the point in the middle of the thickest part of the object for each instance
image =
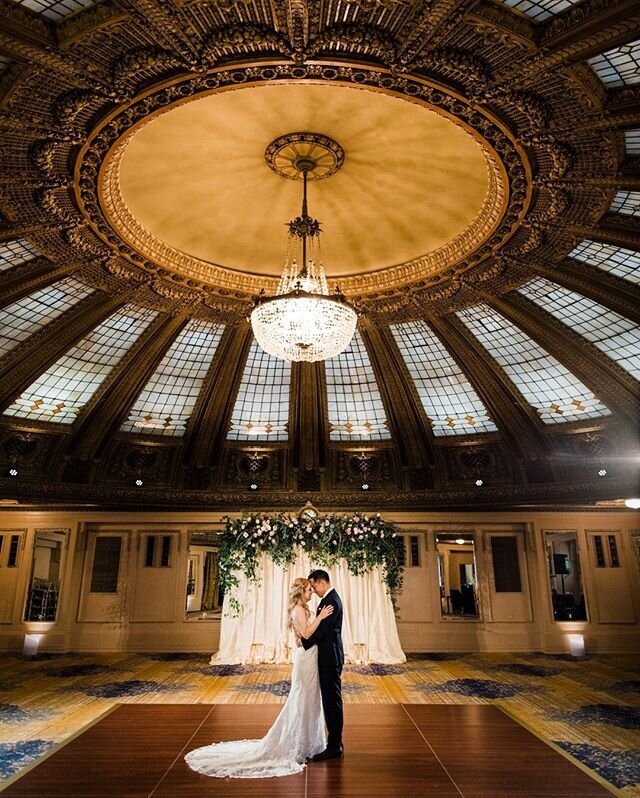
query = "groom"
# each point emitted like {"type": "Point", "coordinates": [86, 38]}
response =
{"type": "Point", "coordinates": [328, 638]}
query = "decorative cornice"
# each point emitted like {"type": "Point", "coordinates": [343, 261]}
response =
{"type": "Point", "coordinates": [489, 497]}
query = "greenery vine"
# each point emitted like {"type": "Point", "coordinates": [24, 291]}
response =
{"type": "Point", "coordinates": [363, 540]}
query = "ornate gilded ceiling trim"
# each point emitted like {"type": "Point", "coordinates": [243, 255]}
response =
{"type": "Point", "coordinates": [99, 197]}
{"type": "Point", "coordinates": [467, 498]}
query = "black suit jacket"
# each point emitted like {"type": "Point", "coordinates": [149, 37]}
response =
{"type": "Point", "coordinates": [328, 636]}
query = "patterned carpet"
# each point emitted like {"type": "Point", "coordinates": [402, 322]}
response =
{"type": "Point", "coordinates": [588, 708]}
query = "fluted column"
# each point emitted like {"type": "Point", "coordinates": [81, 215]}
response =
{"type": "Point", "coordinates": [103, 415]}
{"type": "Point", "coordinates": [308, 421]}
{"type": "Point", "coordinates": [20, 367]}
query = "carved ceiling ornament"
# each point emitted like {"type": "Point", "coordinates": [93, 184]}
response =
{"type": "Point", "coordinates": [98, 191]}
{"type": "Point", "coordinates": [519, 124]}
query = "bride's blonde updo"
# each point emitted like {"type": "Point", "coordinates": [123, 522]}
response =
{"type": "Point", "coordinates": [296, 596]}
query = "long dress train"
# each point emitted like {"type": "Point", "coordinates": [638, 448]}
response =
{"type": "Point", "coordinates": [297, 734]}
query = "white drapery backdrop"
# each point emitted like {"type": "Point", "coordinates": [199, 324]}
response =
{"type": "Point", "coordinates": [260, 633]}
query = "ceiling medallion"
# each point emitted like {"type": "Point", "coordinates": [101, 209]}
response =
{"type": "Point", "coordinates": [302, 321]}
{"type": "Point", "coordinates": [286, 153]}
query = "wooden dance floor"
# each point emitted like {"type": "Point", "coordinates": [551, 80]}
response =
{"type": "Point", "coordinates": [400, 750]}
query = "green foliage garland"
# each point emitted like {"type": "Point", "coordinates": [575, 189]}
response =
{"type": "Point", "coordinates": [364, 541]}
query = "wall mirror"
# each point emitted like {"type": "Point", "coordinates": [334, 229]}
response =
{"type": "Point", "coordinates": [44, 584]}
{"type": "Point", "coordinates": [565, 577]}
{"type": "Point", "coordinates": [204, 593]}
{"type": "Point", "coordinates": [457, 574]}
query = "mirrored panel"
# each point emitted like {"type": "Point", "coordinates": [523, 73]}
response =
{"type": "Point", "coordinates": [204, 593]}
{"type": "Point", "coordinates": [565, 577]}
{"type": "Point", "coordinates": [44, 585]}
{"type": "Point", "coordinates": [457, 574]}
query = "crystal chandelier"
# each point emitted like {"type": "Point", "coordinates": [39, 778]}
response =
{"type": "Point", "coordinates": [302, 321]}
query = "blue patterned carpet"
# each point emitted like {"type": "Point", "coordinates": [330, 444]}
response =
{"type": "Point", "coordinates": [588, 708]}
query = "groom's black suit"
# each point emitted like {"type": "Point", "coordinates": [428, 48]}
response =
{"type": "Point", "coordinates": [328, 638]}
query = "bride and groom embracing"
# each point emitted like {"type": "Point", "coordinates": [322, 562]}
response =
{"type": "Point", "coordinates": [298, 734]}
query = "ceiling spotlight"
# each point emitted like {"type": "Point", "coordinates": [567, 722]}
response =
{"type": "Point", "coordinates": [479, 483]}
{"type": "Point", "coordinates": [13, 472]}
{"type": "Point", "coordinates": [364, 486]}
{"type": "Point", "coordinates": [253, 486]}
{"type": "Point", "coordinates": [460, 541]}
{"type": "Point", "coordinates": [139, 483]}
{"type": "Point", "coordinates": [632, 504]}
{"type": "Point", "coordinates": [602, 472]}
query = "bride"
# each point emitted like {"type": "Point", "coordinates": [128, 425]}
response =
{"type": "Point", "coordinates": [298, 732]}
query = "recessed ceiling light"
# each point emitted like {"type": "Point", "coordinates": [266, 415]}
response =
{"type": "Point", "coordinates": [602, 472]}
{"type": "Point", "coordinates": [479, 483]}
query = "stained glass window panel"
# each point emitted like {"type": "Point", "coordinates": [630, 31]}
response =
{"type": "Point", "coordinates": [355, 407]}
{"type": "Point", "coordinates": [261, 411]}
{"type": "Point", "coordinates": [614, 335]}
{"type": "Point", "coordinates": [541, 9]}
{"type": "Point", "coordinates": [555, 393]}
{"type": "Point", "coordinates": [627, 203]}
{"type": "Point", "coordinates": [64, 389]}
{"type": "Point", "coordinates": [623, 263]}
{"type": "Point", "coordinates": [55, 9]}
{"type": "Point", "coordinates": [451, 404]}
{"type": "Point", "coordinates": [167, 401]}
{"type": "Point", "coordinates": [619, 66]}
{"type": "Point", "coordinates": [13, 253]}
{"type": "Point", "coordinates": [28, 315]}
{"type": "Point", "coordinates": [632, 142]}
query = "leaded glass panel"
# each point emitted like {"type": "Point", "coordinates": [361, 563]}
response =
{"type": "Point", "coordinates": [13, 253]}
{"type": "Point", "coordinates": [65, 388]}
{"type": "Point", "coordinates": [619, 66]}
{"type": "Point", "coordinates": [627, 203]}
{"type": "Point", "coordinates": [355, 406]}
{"type": "Point", "coordinates": [541, 9]}
{"type": "Point", "coordinates": [623, 263]}
{"type": "Point", "coordinates": [261, 411]}
{"type": "Point", "coordinates": [28, 315]}
{"type": "Point", "coordinates": [167, 401]}
{"type": "Point", "coordinates": [451, 404]}
{"type": "Point", "coordinates": [614, 335]}
{"type": "Point", "coordinates": [632, 142]}
{"type": "Point", "coordinates": [55, 9]}
{"type": "Point", "coordinates": [556, 394]}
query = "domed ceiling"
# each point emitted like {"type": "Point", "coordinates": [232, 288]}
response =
{"type": "Point", "coordinates": [485, 222]}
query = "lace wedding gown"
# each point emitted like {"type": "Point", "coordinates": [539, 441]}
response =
{"type": "Point", "coordinates": [297, 734]}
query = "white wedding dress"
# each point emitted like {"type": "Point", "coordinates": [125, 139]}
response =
{"type": "Point", "coordinates": [297, 734]}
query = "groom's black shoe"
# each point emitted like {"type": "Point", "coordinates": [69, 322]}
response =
{"type": "Point", "coordinates": [329, 753]}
